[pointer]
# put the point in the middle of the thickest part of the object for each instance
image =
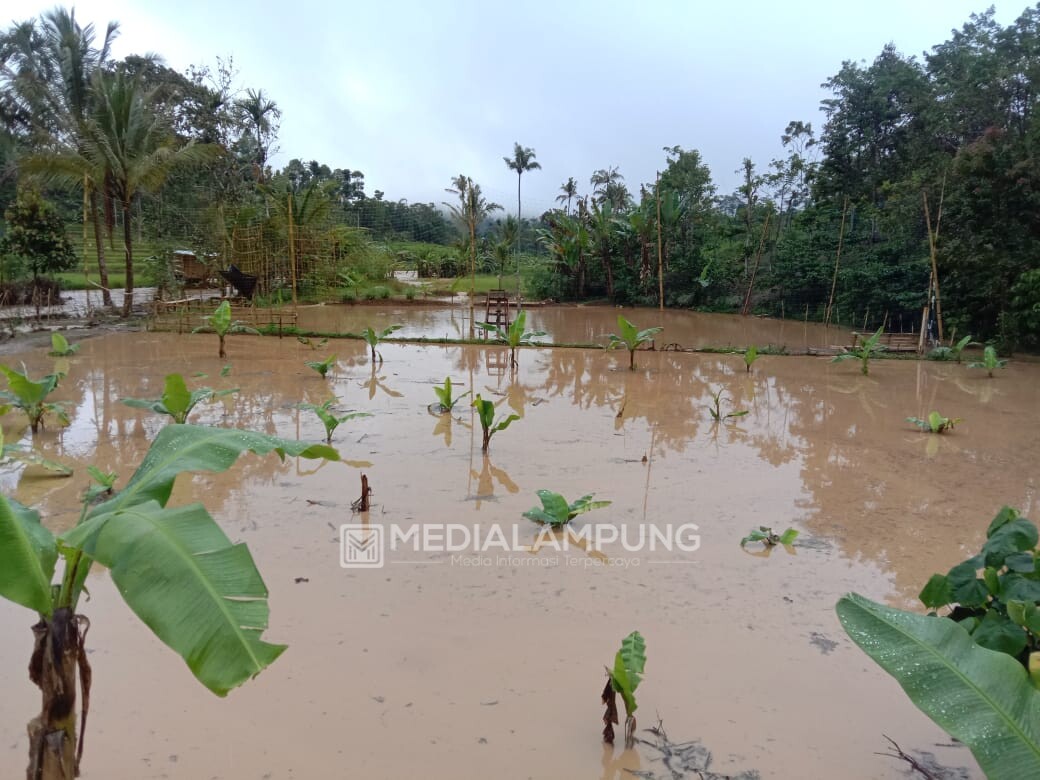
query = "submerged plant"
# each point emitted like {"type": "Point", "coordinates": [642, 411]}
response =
{"type": "Point", "coordinates": [952, 352]}
{"type": "Point", "coordinates": [486, 413]}
{"type": "Point", "coordinates": [631, 339]}
{"type": "Point", "coordinates": [322, 366]}
{"type": "Point", "coordinates": [623, 679]}
{"type": "Point", "coordinates": [328, 419]}
{"type": "Point", "coordinates": [60, 347]}
{"type": "Point", "coordinates": [515, 336]}
{"type": "Point", "coordinates": [750, 356]}
{"type": "Point", "coordinates": [174, 566]}
{"type": "Point", "coordinates": [220, 322]}
{"type": "Point", "coordinates": [30, 457]}
{"type": "Point", "coordinates": [935, 423]}
{"type": "Point", "coordinates": [989, 361]}
{"type": "Point", "coordinates": [716, 411]}
{"type": "Point", "coordinates": [445, 400]}
{"type": "Point", "coordinates": [104, 483]}
{"type": "Point", "coordinates": [556, 512]}
{"type": "Point", "coordinates": [372, 339]}
{"type": "Point", "coordinates": [31, 397]}
{"type": "Point", "coordinates": [765, 535]}
{"type": "Point", "coordinates": [864, 352]}
{"type": "Point", "coordinates": [973, 671]}
{"type": "Point", "coordinates": [177, 401]}
{"type": "Point", "coordinates": [312, 344]}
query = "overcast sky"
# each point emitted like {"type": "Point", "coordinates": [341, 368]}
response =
{"type": "Point", "coordinates": [413, 92]}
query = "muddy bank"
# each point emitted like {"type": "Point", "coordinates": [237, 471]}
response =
{"type": "Point", "coordinates": [492, 665]}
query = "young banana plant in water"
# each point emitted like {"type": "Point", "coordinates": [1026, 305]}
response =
{"type": "Point", "coordinates": [312, 344]}
{"type": "Point", "coordinates": [177, 401]}
{"type": "Point", "coordinates": [29, 396]}
{"type": "Point", "coordinates": [989, 361]}
{"type": "Point", "coordinates": [372, 339]}
{"type": "Point", "coordinates": [220, 322]}
{"type": "Point", "coordinates": [952, 352]}
{"type": "Point", "coordinates": [716, 411]}
{"type": "Point", "coordinates": [486, 413]}
{"type": "Point", "coordinates": [322, 366]}
{"type": "Point", "coordinates": [935, 423]}
{"type": "Point", "coordinates": [557, 512]}
{"type": "Point", "coordinates": [515, 336]}
{"type": "Point", "coordinates": [864, 352]}
{"type": "Point", "coordinates": [765, 535]}
{"type": "Point", "coordinates": [60, 347]}
{"type": "Point", "coordinates": [445, 400]}
{"type": "Point", "coordinates": [174, 566]}
{"type": "Point", "coordinates": [631, 339]}
{"type": "Point", "coordinates": [750, 356]}
{"type": "Point", "coordinates": [623, 679]}
{"type": "Point", "coordinates": [328, 418]}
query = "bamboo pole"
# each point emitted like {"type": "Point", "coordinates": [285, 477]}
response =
{"type": "Point", "coordinates": [292, 254]}
{"type": "Point", "coordinates": [837, 259]}
{"type": "Point", "coordinates": [86, 268]}
{"type": "Point", "coordinates": [933, 238]}
{"type": "Point", "coordinates": [660, 248]}
{"type": "Point", "coordinates": [758, 259]}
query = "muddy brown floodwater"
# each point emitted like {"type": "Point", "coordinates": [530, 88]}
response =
{"type": "Point", "coordinates": [442, 665]}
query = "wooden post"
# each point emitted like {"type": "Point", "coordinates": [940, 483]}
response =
{"type": "Point", "coordinates": [837, 259]}
{"type": "Point", "coordinates": [86, 268]}
{"type": "Point", "coordinates": [292, 254]}
{"type": "Point", "coordinates": [933, 238]}
{"type": "Point", "coordinates": [758, 259]}
{"type": "Point", "coordinates": [660, 248]}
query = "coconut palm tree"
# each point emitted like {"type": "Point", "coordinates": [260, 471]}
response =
{"type": "Point", "coordinates": [125, 145]}
{"type": "Point", "coordinates": [521, 161]}
{"type": "Point", "coordinates": [47, 76]}
{"type": "Point", "coordinates": [263, 114]}
{"type": "Point", "coordinates": [569, 190]}
{"type": "Point", "coordinates": [472, 209]}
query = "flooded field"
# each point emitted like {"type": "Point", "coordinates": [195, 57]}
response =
{"type": "Point", "coordinates": [443, 665]}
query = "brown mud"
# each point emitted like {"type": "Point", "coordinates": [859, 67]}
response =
{"type": "Point", "coordinates": [443, 665]}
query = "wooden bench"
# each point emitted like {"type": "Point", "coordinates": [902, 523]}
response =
{"type": "Point", "coordinates": [893, 342]}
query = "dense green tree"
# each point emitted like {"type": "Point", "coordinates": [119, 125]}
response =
{"type": "Point", "coordinates": [36, 235]}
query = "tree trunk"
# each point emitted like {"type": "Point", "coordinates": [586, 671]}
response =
{"type": "Point", "coordinates": [128, 243]}
{"type": "Point", "coordinates": [609, 274]}
{"type": "Point", "coordinates": [57, 655]}
{"type": "Point", "coordinates": [99, 244]}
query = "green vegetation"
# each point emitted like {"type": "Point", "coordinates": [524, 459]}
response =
{"type": "Point", "coordinates": [31, 397]}
{"type": "Point", "coordinates": [372, 339]}
{"type": "Point", "coordinates": [60, 346]}
{"type": "Point", "coordinates": [445, 400]}
{"type": "Point", "coordinates": [322, 366]}
{"type": "Point", "coordinates": [557, 512]}
{"type": "Point", "coordinates": [631, 339]}
{"type": "Point", "coordinates": [952, 352]}
{"type": "Point", "coordinates": [935, 423]}
{"type": "Point", "coordinates": [486, 414]}
{"type": "Point", "coordinates": [30, 457]}
{"type": "Point", "coordinates": [623, 678]}
{"type": "Point", "coordinates": [220, 322]}
{"type": "Point", "coordinates": [177, 401]}
{"type": "Point", "coordinates": [989, 361]}
{"type": "Point", "coordinates": [750, 356]}
{"type": "Point", "coordinates": [864, 352]}
{"type": "Point", "coordinates": [765, 535]}
{"type": "Point", "coordinates": [514, 336]}
{"type": "Point", "coordinates": [715, 409]}
{"type": "Point", "coordinates": [973, 670]}
{"type": "Point", "coordinates": [328, 419]}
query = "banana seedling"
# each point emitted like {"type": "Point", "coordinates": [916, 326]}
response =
{"type": "Point", "coordinates": [312, 344]}
{"type": "Point", "coordinates": [322, 366]}
{"type": "Point", "coordinates": [372, 339]}
{"type": "Point", "coordinates": [557, 512]}
{"type": "Point", "coordinates": [60, 347]}
{"type": "Point", "coordinates": [515, 336]}
{"type": "Point", "coordinates": [30, 397]}
{"type": "Point", "coordinates": [716, 411]}
{"type": "Point", "coordinates": [989, 361]}
{"type": "Point", "coordinates": [750, 356]}
{"type": "Point", "coordinates": [765, 535]}
{"type": "Point", "coordinates": [445, 400]}
{"type": "Point", "coordinates": [623, 679]}
{"type": "Point", "coordinates": [631, 339]}
{"type": "Point", "coordinates": [177, 401]}
{"type": "Point", "coordinates": [935, 423]}
{"type": "Point", "coordinates": [220, 322]}
{"type": "Point", "coordinates": [864, 352]}
{"type": "Point", "coordinates": [486, 413]}
{"type": "Point", "coordinates": [328, 419]}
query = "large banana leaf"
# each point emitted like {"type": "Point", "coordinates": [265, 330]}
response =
{"type": "Point", "coordinates": [180, 448]}
{"type": "Point", "coordinates": [981, 697]}
{"type": "Point", "coordinates": [27, 557]}
{"type": "Point", "coordinates": [199, 593]}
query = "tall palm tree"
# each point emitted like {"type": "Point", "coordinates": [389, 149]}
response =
{"type": "Point", "coordinates": [47, 74]}
{"type": "Point", "coordinates": [608, 185]}
{"type": "Point", "coordinates": [262, 113]}
{"type": "Point", "coordinates": [472, 209]}
{"type": "Point", "coordinates": [127, 146]}
{"type": "Point", "coordinates": [569, 190]}
{"type": "Point", "coordinates": [521, 161]}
